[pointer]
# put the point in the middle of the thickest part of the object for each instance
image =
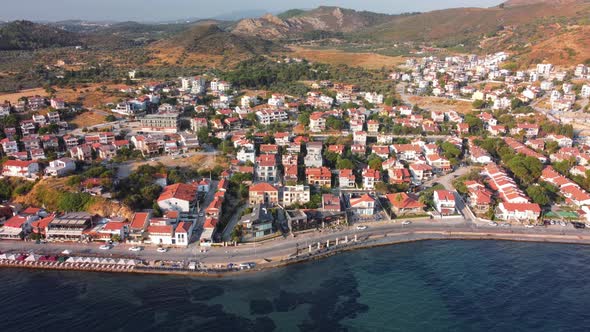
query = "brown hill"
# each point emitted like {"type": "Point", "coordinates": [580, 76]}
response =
{"type": "Point", "coordinates": [296, 22]}
{"type": "Point", "coordinates": [210, 39]}
{"type": "Point", "coordinates": [515, 3]}
{"type": "Point", "coordinates": [519, 28]}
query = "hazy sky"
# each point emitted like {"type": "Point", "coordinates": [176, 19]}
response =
{"type": "Point", "coordinates": [154, 10]}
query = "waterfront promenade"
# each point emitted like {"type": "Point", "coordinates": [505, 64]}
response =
{"type": "Point", "coordinates": [312, 245]}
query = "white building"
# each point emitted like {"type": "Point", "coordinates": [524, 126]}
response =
{"type": "Point", "coordinates": [60, 167]}
{"type": "Point", "coordinates": [296, 194]}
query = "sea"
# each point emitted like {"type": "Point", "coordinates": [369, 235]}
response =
{"type": "Point", "coordinates": [421, 286]}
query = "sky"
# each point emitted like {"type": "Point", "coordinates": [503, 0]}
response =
{"type": "Point", "coordinates": [164, 10]}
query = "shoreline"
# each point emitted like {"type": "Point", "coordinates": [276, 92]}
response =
{"type": "Point", "coordinates": [372, 241]}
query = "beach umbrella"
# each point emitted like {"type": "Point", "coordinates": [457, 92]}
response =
{"type": "Point", "coordinates": [111, 261]}
{"type": "Point", "coordinates": [96, 260]}
{"type": "Point", "coordinates": [3, 256]}
{"type": "Point", "coordinates": [11, 257]}
{"type": "Point", "coordinates": [121, 262]}
{"type": "Point", "coordinates": [31, 258]}
{"type": "Point", "coordinates": [71, 260]}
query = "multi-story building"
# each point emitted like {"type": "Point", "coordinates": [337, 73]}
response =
{"type": "Point", "coordinates": [296, 194]}
{"type": "Point", "coordinates": [165, 123]}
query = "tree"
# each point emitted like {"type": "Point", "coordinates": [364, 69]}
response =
{"type": "Point", "coordinates": [479, 104]}
{"type": "Point", "coordinates": [538, 194]}
{"type": "Point", "coordinates": [303, 118]}
{"type": "Point", "coordinates": [375, 163]}
{"type": "Point", "coordinates": [344, 163]}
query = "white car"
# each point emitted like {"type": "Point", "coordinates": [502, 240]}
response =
{"type": "Point", "coordinates": [161, 250]}
{"type": "Point", "coordinates": [491, 223]}
{"type": "Point", "coordinates": [529, 226]}
{"type": "Point", "coordinates": [361, 227]}
{"type": "Point", "coordinates": [407, 222]}
{"type": "Point", "coordinates": [105, 247]}
{"type": "Point", "coordinates": [135, 249]}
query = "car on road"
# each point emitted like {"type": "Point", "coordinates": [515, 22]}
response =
{"type": "Point", "coordinates": [105, 247]}
{"type": "Point", "coordinates": [135, 249]}
{"type": "Point", "coordinates": [161, 250]}
{"type": "Point", "coordinates": [494, 224]}
{"type": "Point", "coordinates": [407, 222]}
{"type": "Point", "coordinates": [361, 227]}
{"type": "Point", "coordinates": [201, 214]}
{"type": "Point", "coordinates": [562, 223]}
{"type": "Point", "coordinates": [529, 226]}
{"type": "Point", "coordinates": [504, 224]}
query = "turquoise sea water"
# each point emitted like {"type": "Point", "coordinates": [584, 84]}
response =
{"type": "Point", "coordinates": [423, 286]}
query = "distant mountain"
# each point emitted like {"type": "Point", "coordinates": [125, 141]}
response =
{"type": "Point", "coordinates": [239, 15]}
{"type": "Point", "coordinates": [211, 39]}
{"type": "Point", "coordinates": [25, 35]}
{"type": "Point", "coordinates": [295, 23]}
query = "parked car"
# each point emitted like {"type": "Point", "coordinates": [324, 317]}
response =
{"type": "Point", "coordinates": [161, 250]}
{"type": "Point", "coordinates": [105, 247]}
{"type": "Point", "coordinates": [406, 222]}
{"type": "Point", "coordinates": [492, 223]}
{"type": "Point", "coordinates": [361, 227]}
{"type": "Point", "coordinates": [529, 226]}
{"type": "Point", "coordinates": [135, 249]}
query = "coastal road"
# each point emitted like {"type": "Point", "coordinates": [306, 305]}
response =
{"type": "Point", "coordinates": [283, 247]}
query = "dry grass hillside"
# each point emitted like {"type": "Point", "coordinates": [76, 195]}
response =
{"type": "Point", "coordinates": [338, 57]}
{"type": "Point", "coordinates": [47, 193]}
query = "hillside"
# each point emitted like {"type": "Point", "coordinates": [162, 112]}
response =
{"type": "Point", "coordinates": [294, 23]}
{"type": "Point", "coordinates": [518, 26]}
{"type": "Point", "coordinates": [210, 39]}
{"type": "Point", "coordinates": [25, 35]}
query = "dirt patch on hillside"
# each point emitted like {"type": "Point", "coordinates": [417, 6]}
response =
{"type": "Point", "coordinates": [338, 57]}
{"type": "Point", "coordinates": [441, 104]}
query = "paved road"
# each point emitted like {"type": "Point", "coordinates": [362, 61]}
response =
{"type": "Point", "coordinates": [283, 247]}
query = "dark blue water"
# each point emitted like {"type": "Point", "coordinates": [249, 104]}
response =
{"type": "Point", "coordinates": [424, 286]}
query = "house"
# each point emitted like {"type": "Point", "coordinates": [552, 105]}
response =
{"type": "Point", "coordinates": [331, 203]}
{"type": "Point", "coordinates": [138, 226]}
{"type": "Point", "coordinates": [319, 177]}
{"type": "Point", "coordinates": [444, 202]}
{"type": "Point", "coordinates": [518, 211]}
{"type": "Point", "coordinates": [60, 167]}
{"type": "Point", "coordinates": [266, 168]}
{"type": "Point", "coordinates": [478, 155]}
{"type": "Point", "coordinates": [420, 172]}
{"type": "Point", "coordinates": [362, 206]}
{"type": "Point", "coordinates": [346, 178]}
{"type": "Point", "coordinates": [405, 204]}
{"type": "Point", "coordinates": [263, 193]}
{"type": "Point", "coordinates": [15, 228]}
{"type": "Point", "coordinates": [183, 232]}
{"type": "Point", "coordinates": [438, 163]}
{"type": "Point", "coordinates": [314, 155]}
{"type": "Point", "coordinates": [298, 194]}
{"type": "Point", "coordinates": [70, 227]}
{"type": "Point", "coordinates": [81, 152]}
{"type": "Point", "coordinates": [399, 175]}
{"type": "Point", "coordinates": [214, 209]}
{"type": "Point", "coordinates": [407, 151]}
{"type": "Point", "coordinates": [57, 103]}
{"type": "Point", "coordinates": [258, 223]}
{"type": "Point", "coordinates": [373, 126]}
{"type": "Point", "coordinates": [161, 234]}
{"type": "Point", "coordinates": [112, 230]}
{"type": "Point", "coordinates": [562, 141]}
{"type": "Point", "coordinates": [370, 177]}
{"type": "Point", "coordinates": [9, 146]}
{"type": "Point", "coordinates": [317, 122]}
{"type": "Point", "coordinates": [22, 169]}
{"type": "Point", "coordinates": [179, 197]}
